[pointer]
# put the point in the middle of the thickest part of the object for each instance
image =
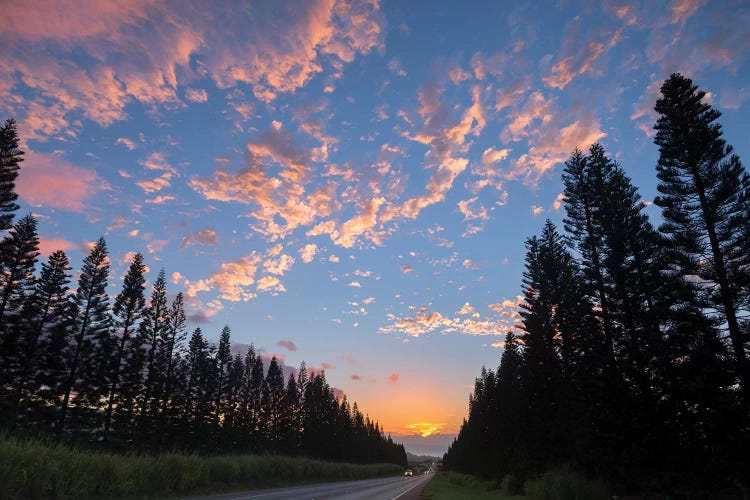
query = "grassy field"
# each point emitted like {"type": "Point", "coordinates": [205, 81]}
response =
{"type": "Point", "coordinates": [454, 486]}
{"type": "Point", "coordinates": [35, 470]}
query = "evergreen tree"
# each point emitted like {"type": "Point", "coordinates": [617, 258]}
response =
{"type": "Point", "coordinates": [52, 318]}
{"type": "Point", "coordinates": [91, 323]}
{"type": "Point", "coordinates": [223, 358]}
{"type": "Point", "coordinates": [153, 329]}
{"type": "Point", "coordinates": [10, 158]}
{"type": "Point", "coordinates": [127, 311]}
{"type": "Point", "coordinates": [18, 254]}
{"type": "Point", "coordinates": [705, 200]}
{"type": "Point", "coordinates": [45, 324]}
{"type": "Point", "coordinates": [272, 406]}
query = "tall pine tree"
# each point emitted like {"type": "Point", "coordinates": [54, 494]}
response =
{"type": "Point", "coordinates": [10, 162]}
{"type": "Point", "coordinates": [705, 200]}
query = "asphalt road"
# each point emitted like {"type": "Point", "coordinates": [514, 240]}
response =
{"type": "Point", "coordinates": [392, 488]}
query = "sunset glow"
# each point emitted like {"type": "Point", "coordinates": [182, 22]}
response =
{"type": "Point", "coordinates": [346, 182]}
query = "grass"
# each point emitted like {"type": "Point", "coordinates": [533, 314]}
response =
{"type": "Point", "coordinates": [455, 486]}
{"type": "Point", "coordinates": [32, 469]}
{"type": "Point", "coordinates": [565, 484]}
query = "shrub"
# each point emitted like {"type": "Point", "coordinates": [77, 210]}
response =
{"type": "Point", "coordinates": [565, 484]}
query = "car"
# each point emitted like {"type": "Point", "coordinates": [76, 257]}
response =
{"type": "Point", "coordinates": [408, 473]}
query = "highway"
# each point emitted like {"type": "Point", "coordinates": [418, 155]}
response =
{"type": "Point", "coordinates": [392, 488]}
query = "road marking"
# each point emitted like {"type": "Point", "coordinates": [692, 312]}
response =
{"type": "Point", "coordinates": [407, 491]}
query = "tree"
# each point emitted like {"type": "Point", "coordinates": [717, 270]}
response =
{"type": "Point", "coordinates": [153, 329]}
{"type": "Point", "coordinates": [91, 324]}
{"type": "Point", "coordinates": [18, 254]}
{"type": "Point", "coordinates": [10, 159]}
{"type": "Point", "coordinates": [272, 402]}
{"type": "Point", "coordinates": [126, 311]}
{"type": "Point", "coordinates": [223, 358]}
{"type": "Point", "coordinates": [44, 325]}
{"type": "Point", "coordinates": [51, 295]}
{"type": "Point", "coordinates": [705, 200]}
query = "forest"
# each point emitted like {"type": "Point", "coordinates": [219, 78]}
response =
{"type": "Point", "coordinates": [630, 361]}
{"type": "Point", "coordinates": [124, 374]}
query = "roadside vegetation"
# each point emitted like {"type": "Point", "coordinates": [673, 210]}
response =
{"type": "Point", "coordinates": [33, 469]}
{"type": "Point", "coordinates": [456, 486]}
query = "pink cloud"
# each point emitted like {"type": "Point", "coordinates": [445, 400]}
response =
{"type": "Point", "coordinates": [356, 378]}
{"type": "Point", "coordinates": [196, 95]}
{"type": "Point", "coordinates": [205, 236]}
{"type": "Point", "coordinates": [49, 245]}
{"type": "Point", "coordinates": [315, 35]}
{"type": "Point", "coordinates": [43, 177]}
{"type": "Point", "coordinates": [287, 344]}
{"type": "Point", "coordinates": [393, 378]}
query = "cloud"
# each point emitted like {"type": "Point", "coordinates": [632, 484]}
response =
{"type": "Point", "coordinates": [466, 309]}
{"type": "Point", "coordinates": [196, 95]}
{"type": "Point", "coordinates": [356, 377]}
{"type": "Point", "coordinates": [144, 50]}
{"type": "Point", "coordinates": [287, 344]}
{"type": "Point", "coordinates": [683, 9]}
{"type": "Point", "coordinates": [43, 177]}
{"type": "Point", "coordinates": [535, 210]}
{"type": "Point", "coordinates": [425, 321]}
{"type": "Point", "coordinates": [394, 378]}
{"type": "Point", "coordinates": [126, 142]}
{"type": "Point", "coordinates": [233, 279]}
{"type": "Point", "coordinates": [156, 184]}
{"type": "Point", "coordinates": [578, 56]}
{"type": "Point", "coordinates": [205, 236]}
{"type": "Point", "coordinates": [355, 284]}
{"type": "Point", "coordinates": [425, 429]}
{"type": "Point", "coordinates": [558, 201]}
{"type": "Point", "coordinates": [270, 284]}
{"type": "Point", "coordinates": [406, 268]}
{"type": "Point", "coordinates": [49, 245]}
{"type": "Point", "coordinates": [279, 265]}
{"type": "Point", "coordinates": [307, 252]}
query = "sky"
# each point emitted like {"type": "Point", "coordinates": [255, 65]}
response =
{"type": "Point", "coordinates": [346, 182]}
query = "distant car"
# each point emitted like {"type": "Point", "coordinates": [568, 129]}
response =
{"type": "Point", "coordinates": [408, 473]}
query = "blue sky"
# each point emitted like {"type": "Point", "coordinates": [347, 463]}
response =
{"type": "Point", "coordinates": [346, 182]}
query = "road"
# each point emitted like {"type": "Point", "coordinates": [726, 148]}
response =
{"type": "Point", "coordinates": [392, 488]}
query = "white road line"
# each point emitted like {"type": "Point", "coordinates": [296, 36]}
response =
{"type": "Point", "coordinates": [407, 491]}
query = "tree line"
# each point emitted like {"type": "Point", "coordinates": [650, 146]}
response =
{"type": "Point", "coordinates": [124, 374]}
{"type": "Point", "coordinates": [630, 363]}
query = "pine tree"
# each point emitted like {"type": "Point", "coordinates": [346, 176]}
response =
{"type": "Point", "coordinates": [705, 200]}
{"type": "Point", "coordinates": [152, 330]}
{"type": "Point", "coordinates": [91, 327]}
{"type": "Point", "coordinates": [18, 254]}
{"type": "Point", "coordinates": [127, 311]}
{"type": "Point", "coordinates": [45, 323]}
{"type": "Point", "coordinates": [223, 358]}
{"type": "Point", "coordinates": [272, 403]}
{"type": "Point", "coordinates": [53, 318]}
{"type": "Point", "coordinates": [584, 177]}
{"type": "Point", "coordinates": [10, 158]}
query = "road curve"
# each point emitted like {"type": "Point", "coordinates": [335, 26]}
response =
{"type": "Point", "coordinates": [392, 488]}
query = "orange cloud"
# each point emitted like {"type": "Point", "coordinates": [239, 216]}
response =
{"type": "Point", "coordinates": [119, 70]}
{"type": "Point", "coordinates": [43, 177]}
{"type": "Point", "coordinates": [579, 57]}
{"type": "Point", "coordinates": [425, 429]}
{"type": "Point", "coordinates": [307, 252]}
{"type": "Point", "coordinates": [196, 95]}
{"type": "Point", "coordinates": [232, 280]}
